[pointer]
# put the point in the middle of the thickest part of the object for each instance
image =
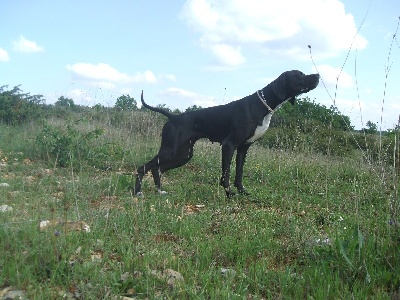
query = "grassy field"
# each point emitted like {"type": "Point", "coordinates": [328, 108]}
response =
{"type": "Point", "coordinates": [314, 227]}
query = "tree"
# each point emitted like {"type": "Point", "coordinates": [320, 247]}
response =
{"type": "Point", "coordinates": [17, 107]}
{"type": "Point", "coordinates": [164, 107]}
{"type": "Point", "coordinates": [372, 128]}
{"type": "Point", "coordinates": [65, 102]}
{"type": "Point", "coordinates": [192, 108]}
{"type": "Point", "coordinates": [99, 107]}
{"type": "Point", "coordinates": [126, 102]}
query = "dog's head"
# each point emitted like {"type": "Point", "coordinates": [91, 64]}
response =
{"type": "Point", "coordinates": [293, 83]}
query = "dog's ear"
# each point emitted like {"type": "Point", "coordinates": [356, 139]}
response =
{"type": "Point", "coordinates": [278, 86]}
{"type": "Point", "coordinates": [292, 100]}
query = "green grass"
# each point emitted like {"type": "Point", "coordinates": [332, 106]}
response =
{"type": "Point", "coordinates": [315, 227]}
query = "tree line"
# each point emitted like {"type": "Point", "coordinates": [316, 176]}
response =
{"type": "Point", "coordinates": [18, 107]}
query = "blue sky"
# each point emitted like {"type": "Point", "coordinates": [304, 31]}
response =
{"type": "Point", "coordinates": [204, 52]}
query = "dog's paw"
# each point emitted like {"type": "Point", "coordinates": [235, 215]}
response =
{"type": "Point", "coordinates": [243, 192]}
{"type": "Point", "coordinates": [229, 193]}
{"type": "Point", "coordinates": [161, 192]}
{"type": "Point", "coordinates": [139, 194]}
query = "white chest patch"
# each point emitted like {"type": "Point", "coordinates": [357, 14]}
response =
{"type": "Point", "coordinates": [260, 130]}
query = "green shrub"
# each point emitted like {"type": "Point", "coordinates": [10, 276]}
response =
{"type": "Point", "coordinates": [306, 112]}
{"type": "Point", "coordinates": [18, 108]}
{"type": "Point", "coordinates": [66, 146]}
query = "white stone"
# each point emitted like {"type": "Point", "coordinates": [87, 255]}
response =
{"type": "Point", "coordinates": [5, 208]}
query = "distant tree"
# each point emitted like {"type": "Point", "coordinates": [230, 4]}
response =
{"type": "Point", "coordinates": [392, 132]}
{"type": "Point", "coordinates": [17, 107]}
{"type": "Point", "coordinates": [65, 102]}
{"type": "Point", "coordinates": [192, 108]}
{"type": "Point", "coordinates": [164, 107]}
{"type": "Point", "coordinates": [99, 107]}
{"type": "Point", "coordinates": [371, 128]}
{"type": "Point", "coordinates": [126, 102]}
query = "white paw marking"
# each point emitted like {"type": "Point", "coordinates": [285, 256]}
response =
{"type": "Point", "coordinates": [161, 192]}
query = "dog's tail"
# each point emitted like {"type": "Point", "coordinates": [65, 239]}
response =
{"type": "Point", "coordinates": [156, 109]}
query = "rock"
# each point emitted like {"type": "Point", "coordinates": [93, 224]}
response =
{"type": "Point", "coordinates": [10, 294]}
{"type": "Point", "coordinates": [58, 225]}
{"type": "Point", "coordinates": [125, 276]}
{"type": "Point", "coordinates": [12, 194]}
{"type": "Point", "coordinates": [323, 241]}
{"type": "Point", "coordinates": [5, 208]}
{"type": "Point", "coordinates": [172, 277]}
{"type": "Point", "coordinates": [227, 272]}
{"type": "Point", "coordinates": [66, 295]}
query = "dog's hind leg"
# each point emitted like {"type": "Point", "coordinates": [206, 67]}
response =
{"type": "Point", "coordinates": [228, 148]}
{"type": "Point", "coordinates": [166, 159]}
{"type": "Point", "coordinates": [141, 171]}
{"type": "Point", "coordinates": [156, 169]}
{"type": "Point", "coordinates": [182, 155]}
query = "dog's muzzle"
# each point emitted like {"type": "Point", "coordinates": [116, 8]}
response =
{"type": "Point", "coordinates": [314, 78]}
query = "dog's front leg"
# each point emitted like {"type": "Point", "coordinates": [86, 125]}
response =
{"type": "Point", "coordinates": [240, 159]}
{"type": "Point", "coordinates": [156, 172]}
{"type": "Point", "coordinates": [228, 149]}
{"type": "Point", "coordinates": [138, 184]}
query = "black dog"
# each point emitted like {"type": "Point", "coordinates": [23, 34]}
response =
{"type": "Point", "coordinates": [235, 126]}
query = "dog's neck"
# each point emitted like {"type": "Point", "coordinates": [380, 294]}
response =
{"type": "Point", "coordinates": [260, 95]}
{"type": "Point", "coordinates": [270, 100]}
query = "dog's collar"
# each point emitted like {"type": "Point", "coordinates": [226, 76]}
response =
{"type": "Point", "coordinates": [264, 101]}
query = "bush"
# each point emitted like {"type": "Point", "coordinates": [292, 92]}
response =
{"type": "Point", "coordinates": [306, 112]}
{"type": "Point", "coordinates": [18, 108]}
{"type": "Point", "coordinates": [320, 140]}
{"type": "Point", "coordinates": [68, 146]}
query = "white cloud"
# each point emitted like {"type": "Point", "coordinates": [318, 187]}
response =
{"type": "Point", "coordinates": [169, 77]}
{"type": "Point", "coordinates": [147, 77]}
{"type": "Point", "coordinates": [228, 55]}
{"type": "Point", "coordinates": [183, 98]}
{"type": "Point", "coordinates": [331, 75]}
{"type": "Point", "coordinates": [106, 73]}
{"type": "Point", "coordinates": [178, 92]}
{"type": "Point", "coordinates": [26, 46]}
{"type": "Point", "coordinates": [4, 55]}
{"type": "Point", "coordinates": [98, 72]}
{"type": "Point", "coordinates": [282, 27]}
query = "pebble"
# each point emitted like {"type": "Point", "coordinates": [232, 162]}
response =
{"type": "Point", "coordinates": [172, 277]}
{"type": "Point", "coordinates": [10, 294]}
{"type": "Point", "coordinates": [5, 208]}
